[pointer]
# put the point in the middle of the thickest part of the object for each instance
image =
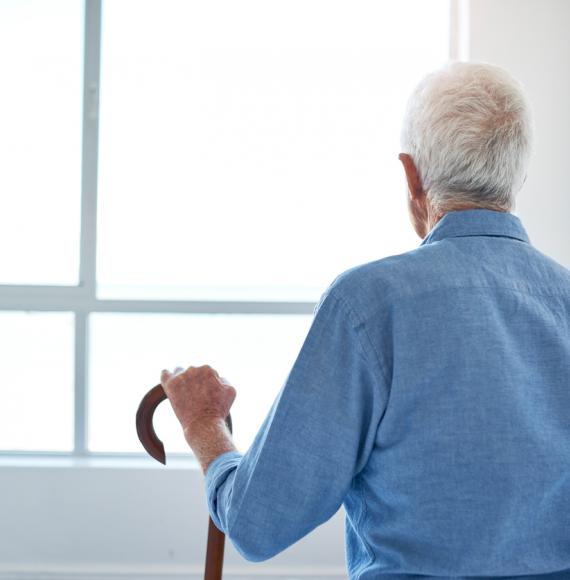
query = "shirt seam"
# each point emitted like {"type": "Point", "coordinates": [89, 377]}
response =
{"type": "Point", "coordinates": [361, 520]}
{"type": "Point", "coordinates": [394, 299]}
{"type": "Point", "coordinates": [475, 286]}
{"type": "Point", "coordinates": [477, 234]}
{"type": "Point", "coordinates": [360, 324]}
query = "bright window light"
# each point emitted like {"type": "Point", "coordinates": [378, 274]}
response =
{"type": "Point", "coordinates": [41, 67]}
{"type": "Point", "coordinates": [37, 381]}
{"type": "Point", "coordinates": [128, 351]}
{"type": "Point", "coordinates": [248, 150]}
{"type": "Point", "coordinates": [240, 156]}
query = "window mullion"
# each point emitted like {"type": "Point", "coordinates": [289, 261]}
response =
{"type": "Point", "coordinates": [88, 240]}
{"type": "Point", "coordinates": [90, 145]}
{"type": "Point", "coordinates": [80, 395]}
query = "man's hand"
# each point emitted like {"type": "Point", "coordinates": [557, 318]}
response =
{"type": "Point", "coordinates": [198, 394]}
{"type": "Point", "coordinates": [201, 400]}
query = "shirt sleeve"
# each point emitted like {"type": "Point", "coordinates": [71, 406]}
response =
{"type": "Point", "coordinates": [317, 436]}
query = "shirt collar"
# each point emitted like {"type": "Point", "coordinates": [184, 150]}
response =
{"type": "Point", "coordinates": [477, 222]}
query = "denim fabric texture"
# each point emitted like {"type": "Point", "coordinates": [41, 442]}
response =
{"type": "Point", "coordinates": [430, 399]}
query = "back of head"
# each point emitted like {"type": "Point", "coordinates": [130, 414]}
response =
{"type": "Point", "coordinates": [468, 128]}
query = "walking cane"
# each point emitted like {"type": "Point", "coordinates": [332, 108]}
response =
{"type": "Point", "coordinates": [155, 448]}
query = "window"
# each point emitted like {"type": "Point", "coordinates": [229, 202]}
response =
{"type": "Point", "coordinates": [184, 180]}
{"type": "Point", "coordinates": [40, 142]}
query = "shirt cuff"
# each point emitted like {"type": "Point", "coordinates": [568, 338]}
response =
{"type": "Point", "coordinates": [216, 474]}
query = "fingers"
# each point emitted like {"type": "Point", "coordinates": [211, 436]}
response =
{"type": "Point", "coordinates": [207, 369]}
{"type": "Point", "coordinates": [165, 374]}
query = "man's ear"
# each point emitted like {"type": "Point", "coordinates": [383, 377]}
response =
{"type": "Point", "coordinates": [415, 185]}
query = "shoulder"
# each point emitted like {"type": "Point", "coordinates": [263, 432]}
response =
{"type": "Point", "coordinates": [373, 284]}
{"type": "Point", "coordinates": [555, 267]}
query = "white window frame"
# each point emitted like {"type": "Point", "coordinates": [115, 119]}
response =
{"type": "Point", "coordinates": [81, 299]}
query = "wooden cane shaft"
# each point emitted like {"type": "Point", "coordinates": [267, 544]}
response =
{"type": "Point", "coordinates": [214, 553]}
{"type": "Point", "coordinates": [154, 447]}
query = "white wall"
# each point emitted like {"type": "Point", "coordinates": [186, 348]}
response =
{"type": "Point", "coordinates": [141, 520]}
{"type": "Point", "coordinates": [138, 519]}
{"type": "Point", "coordinates": [530, 38]}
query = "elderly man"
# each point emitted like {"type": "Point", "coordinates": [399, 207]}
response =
{"type": "Point", "coordinates": [431, 396]}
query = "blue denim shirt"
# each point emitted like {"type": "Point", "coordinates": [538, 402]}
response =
{"type": "Point", "coordinates": [431, 398]}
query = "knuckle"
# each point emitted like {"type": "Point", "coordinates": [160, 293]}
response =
{"type": "Point", "coordinates": [207, 370]}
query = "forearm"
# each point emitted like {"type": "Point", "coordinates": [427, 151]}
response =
{"type": "Point", "coordinates": [209, 439]}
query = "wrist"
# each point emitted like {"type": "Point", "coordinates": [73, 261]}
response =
{"type": "Point", "coordinates": [204, 426]}
{"type": "Point", "coordinates": [208, 438]}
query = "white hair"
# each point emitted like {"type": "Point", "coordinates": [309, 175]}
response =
{"type": "Point", "coordinates": [468, 129]}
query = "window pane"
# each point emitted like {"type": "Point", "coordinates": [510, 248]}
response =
{"type": "Point", "coordinates": [41, 56]}
{"type": "Point", "coordinates": [128, 351]}
{"type": "Point", "coordinates": [37, 381]}
{"type": "Point", "coordinates": [248, 150]}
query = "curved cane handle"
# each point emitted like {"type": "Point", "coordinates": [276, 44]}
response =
{"type": "Point", "coordinates": [145, 428]}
